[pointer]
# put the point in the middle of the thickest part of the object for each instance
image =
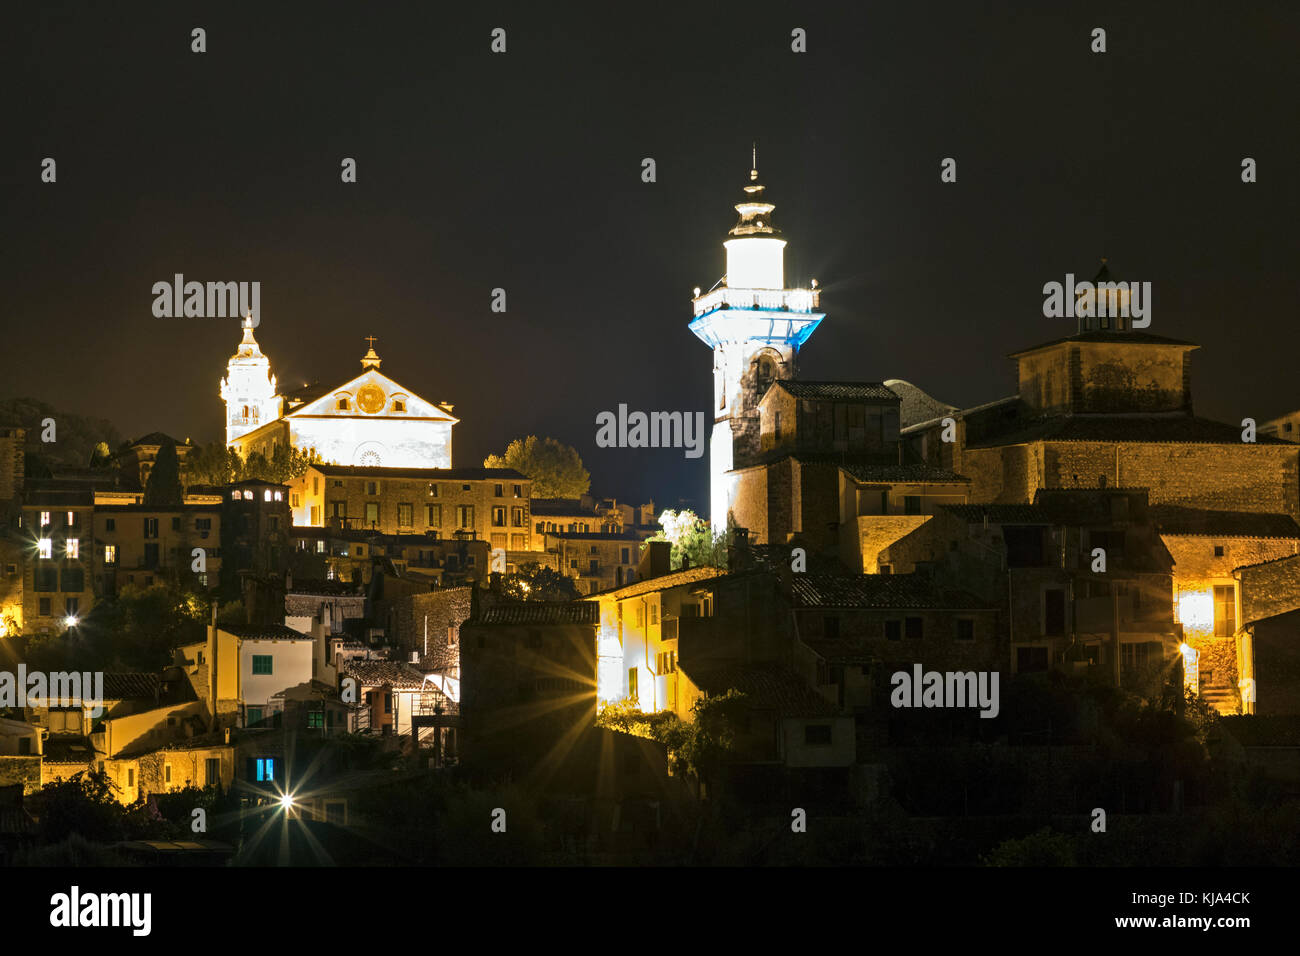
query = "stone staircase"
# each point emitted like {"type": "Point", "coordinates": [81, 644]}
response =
{"type": "Point", "coordinates": [1216, 692]}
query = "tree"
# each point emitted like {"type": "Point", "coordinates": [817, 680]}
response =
{"type": "Point", "coordinates": [532, 582]}
{"type": "Point", "coordinates": [163, 489]}
{"type": "Point", "coordinates": [211, 464]}
{"type": "Point", "coordinates": [555, 468]}
{"type": "Point", "coordinates": [75, 436]}
{"type": "Point", "coordinates": [692, 539]}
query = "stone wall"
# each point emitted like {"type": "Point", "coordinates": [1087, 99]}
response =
{"type": "Point", "coordinates": [24, 770]}
{"type": "Point", "coordinates": [1241, 477]}
{"type": "Point", "coordinates": [445, 609]}
{"type": "Point", "coordinates": [1270, 589]}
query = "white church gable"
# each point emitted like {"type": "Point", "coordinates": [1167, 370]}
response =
{"type": "Point", "coordinates": [370, 421]}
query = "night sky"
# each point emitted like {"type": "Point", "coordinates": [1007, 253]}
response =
{"type": "Point", "coordinates": [522, 171]}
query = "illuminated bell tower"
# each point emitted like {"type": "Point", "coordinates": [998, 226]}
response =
{"type": "Point", "coordinates": [248, 388]}
{"type": "Point", "coordinates": [755, 326]}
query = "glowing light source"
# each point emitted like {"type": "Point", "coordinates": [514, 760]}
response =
{"type": "Point", "coordinates": [70, 621]}
{"type": "Point", "coordinates": [1196, 611]}
{"type": "Point", "coordinates": [286, 801]}
{"type": "Point", "coordinates": [755, 263]}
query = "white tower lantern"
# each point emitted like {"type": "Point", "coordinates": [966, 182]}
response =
{"type": "Point", "coordinates": [248, 388]}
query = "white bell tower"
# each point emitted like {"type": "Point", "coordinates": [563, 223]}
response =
{"type": "Point", "coordinates": [755, 326]}
{"type": "Point", "coordinates": [248, 388]}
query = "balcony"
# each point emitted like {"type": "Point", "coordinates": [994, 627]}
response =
{"type": "Point", "coordinates": [777, 300]}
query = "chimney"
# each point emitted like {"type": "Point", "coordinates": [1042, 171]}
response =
{"type": "Point", "coordinates": [656, 560]}
{"type": "Point", "coordinates": [738, 555]}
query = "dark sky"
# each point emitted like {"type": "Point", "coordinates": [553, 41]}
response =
{"type": "Point", "coordinates": [522, 171]}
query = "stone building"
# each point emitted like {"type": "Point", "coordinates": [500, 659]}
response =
{"type": "Point", "coordinates": [137, 459]}
{"type": "Point", "coordinates": [527, 683]}
{"type": "Point", "coordinates": [58, 570]}
{"type": "Point", "coordinates": [1082, 576]}
{"type": "Point", "coordinates": [596, 561]}
{"type": "Point", "coordinates": [138, 545]}
{"type": "Point", "coordinates": [492, 503]}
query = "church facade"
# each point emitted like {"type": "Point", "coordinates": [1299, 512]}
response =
{"type": "Point", "coordinates": [370, 421]}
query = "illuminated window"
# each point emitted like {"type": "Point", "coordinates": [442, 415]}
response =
{"type": "Point", "coordinates": [320, 547]}
{"type": "Point", "coordinates": [1225, 610]}
{"type": "Point", "coordinates": [248, 496]}
{"type": "Point", "coordinates": [279, 496]}
{"type": "Point", "coordinates": [45, 519]}
{"type": "Point", "coordinates": [265, 766]}
{"type": "Point", "coordinates": [74, 547]}
{"type": "Point", "coordinates": [266, 495]}
{"type": "Point", "coordinates": [234, 496]}
{"type": "Point", "coordinates": [72, 518]}
{"type": "Point", "coordinates": [45, 548]}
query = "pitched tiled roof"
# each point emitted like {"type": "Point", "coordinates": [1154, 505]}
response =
{"type": "Point", "coordinates": [305, 394]}
{"type": "Point", "coordinates": [264, 632]}
{"type": "Point", "coordinates": [122, 686]}
{"type": "Point", "coordinates": [768, 687]}
{"type": "Point", "coordinates": [664, 581]}
{"type": "Point", "coordinates": [1106, 337]}
{"type": "Point", "coordinates": [999, 514]}
{"type": "Point", "coordinates": [156, 438]}
{"type": "Point", "coordinates": [428, 474]}
{"type": "Point", "coordinates": [1180, 429]}
{"type": "Point", "coordinates": [841, 652]}
{"type": "Point", "coordinates": [76, 750]}
{"type": "Point", "coordinates": [326, 587]}
{"type": "Point", "coordinates": [594, 535]}
{"type": "Point", "coordinates": [877, 590]}
{"type": "Point", "coordinates": [539, 612]}
{"type": "Point", "coordinates": [843, 391]}
{"type": "Point", "coordinates": [912, 472]}
{"type": "Point", "coordinates": [377, 673]}
{"type": "Point", "coordinates": [1223, 524]}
